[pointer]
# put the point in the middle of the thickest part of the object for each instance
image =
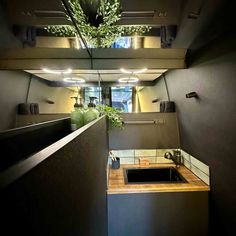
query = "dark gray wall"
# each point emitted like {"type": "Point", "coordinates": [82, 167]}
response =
{"type": "Point", "coordinates": [13, 90]}
{"type": "Point", "coordinates": [163, 134]}
{"type": "Point", "coordinates": [65, 195]}
{"type": "Point", "coordinates": [207, 124]}
{"type": "Point", "coordinates": [7, 38]}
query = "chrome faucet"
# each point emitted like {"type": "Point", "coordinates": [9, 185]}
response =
{"type": "Point", "coordinates": [175, 157]}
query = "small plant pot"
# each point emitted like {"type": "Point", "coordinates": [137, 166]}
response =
{"type": "Point", "coordinates": [115, 164]}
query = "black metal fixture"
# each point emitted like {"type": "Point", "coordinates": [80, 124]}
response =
{"type": "Point", "coordinates": [67, 7]}
{"type": "Point", "coordinates": [49, 101]}
{"type": "Point", "coordinates": [192, 95]}
{"type": "Point", "coordinates": [155, 100]}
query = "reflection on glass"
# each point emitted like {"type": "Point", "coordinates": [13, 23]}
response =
{"type": "Point", "coordinates": [92, 92]}
{"type": "Point", "coordinates": [122, 42]}
{"type": "Point", "coordinates": [121, 98]}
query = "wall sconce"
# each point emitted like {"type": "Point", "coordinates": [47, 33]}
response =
{"type": "Point", "coordinates": [49, 101]}
{"type": "Point", "coordinates": [155, 100]}
{"type": "Point", "coordinates": [192, 95]}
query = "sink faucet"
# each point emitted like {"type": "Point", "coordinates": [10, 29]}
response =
{"type": "Point", "coordinates": [175, 157]}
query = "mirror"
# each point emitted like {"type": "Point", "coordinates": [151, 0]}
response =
{"type": "Point", "coordinates": [42, 68]}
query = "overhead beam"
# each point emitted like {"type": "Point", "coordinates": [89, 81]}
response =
{"type": "Point", "coordinates": [98, 53]}
{"type": "Point", "coordinates": [103, 84]}
{"type": "Point", "coordinates": [103, 59]}
{"type": "Point", "coordinates": [85, 64]}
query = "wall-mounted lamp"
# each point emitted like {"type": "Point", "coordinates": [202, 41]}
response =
{"type": "Point", "coordinates": [49, 101]}
{"type": "Point", "coordinates": [192, 95]}
{"type": "Point", "coordinates": [155, 100]}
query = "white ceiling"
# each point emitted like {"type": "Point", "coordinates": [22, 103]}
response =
{"type": "Point", "coordinates": [92, 75]}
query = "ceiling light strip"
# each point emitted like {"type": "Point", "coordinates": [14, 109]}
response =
{"type": "Point", "coordinates": [74, 80]}
{"type": "Point", "coordinates": [57, 72]}
{"type": "Point", "coordinates": [139, 71]}
{"type": "Point", "coordinates": [131, 79]}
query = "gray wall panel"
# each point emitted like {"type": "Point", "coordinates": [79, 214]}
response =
{"type": "Point", "coordinates": [146, 136]}
{"type": "Point", "coordinates": [207, 124]}
{"type": "Point", "coordinates": [13, 90]}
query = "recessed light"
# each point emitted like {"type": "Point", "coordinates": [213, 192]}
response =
{"type": "Point", "coordinates": [57, 72]}
{"type": "Point", "coordinates": [74, 80]}
{"type": "Point", "coordinates": [131, 79]}
{"type": "Point", "coordinates": [138, 71]}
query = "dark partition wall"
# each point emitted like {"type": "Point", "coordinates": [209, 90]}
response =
{"type": "Point", "coordinates": [18, 144]}
{"type": "Point", "coordinates": [147, 130]}
{"type": "Point", "coordinates": [65, 195]}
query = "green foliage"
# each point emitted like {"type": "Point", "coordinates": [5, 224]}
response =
{"type": "Point", "coordinates": [105, 31]}
{"type": "Point", "coordinates": [113, 115]}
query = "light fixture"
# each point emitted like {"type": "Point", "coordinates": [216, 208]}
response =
{"type": "Point", "coordinates": [131, 79]}
{"type": "Point", "coordinates": [74, 80]}
{"type": "Point", "coordinates": [57, 72]}
{"type": "Point", "coordinates": [139, 71]}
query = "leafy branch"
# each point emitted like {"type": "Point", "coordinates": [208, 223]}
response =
{"type": "Point", "coordinates": [113, 115]}
{"type": "Point", "coordinates": [105, 31]}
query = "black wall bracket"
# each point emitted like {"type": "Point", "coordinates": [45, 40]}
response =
{"type": "Point", "coordinates": [192, 95]}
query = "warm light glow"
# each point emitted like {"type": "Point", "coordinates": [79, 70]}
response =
{"type": "Point", "coordinates": [57, 72]}
{"type": "Point", "coordinates": [77, 44]}
{"type": "Point", "coordinates": [68, 71]}
{"type": "Point", "coordinates": [135, 43]}
{"type": "Point", "coordinates": [131, 79]}
{"type": "Point", "coordinates": [139, 71]}
{"type": "Point", "coordinates": [74, 80]}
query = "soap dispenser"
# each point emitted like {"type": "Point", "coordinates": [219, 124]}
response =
{"type": "Point", "coordinates": [92, 113]}
{"type": "Point", "coordinates": [77, 116]}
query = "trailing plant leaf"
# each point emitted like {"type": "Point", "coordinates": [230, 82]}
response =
{"type": "Point", "coordinates": [102, 30]}
{"type": "Point", "coordinates": [113, 115]}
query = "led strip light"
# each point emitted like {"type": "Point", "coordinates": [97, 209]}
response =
{"type": "Point", "coordinates": [74, 80]}
{"type": "Point", "coordinates": [57, 72]}
{"type": "Point", "coordinates": [139, 71]}
{"type": "Point", "coordinates": [131, 79]}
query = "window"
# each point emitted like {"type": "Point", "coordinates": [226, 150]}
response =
{"type": "Point", "coordinates": [122, 42]}
{"type": "Point", "coordinates": [121, 98]}
{"type": "Point", "coordinates": [91, 92]}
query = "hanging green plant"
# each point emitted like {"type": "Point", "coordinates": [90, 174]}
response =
{"type": "Point", "coordinates": [113, 115]}
{"type": "Point", "coordinates": [99, 29]}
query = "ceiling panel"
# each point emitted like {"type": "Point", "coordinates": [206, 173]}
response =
{"type": "Point", "coordinates": [30, 12]}
{"type": "Point", "coordinates": [92, 75]}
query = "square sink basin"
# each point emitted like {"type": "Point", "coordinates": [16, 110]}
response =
{"type": "Point", "coordinates": [153, 175]}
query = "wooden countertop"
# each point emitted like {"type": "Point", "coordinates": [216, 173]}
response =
{"type": "Point", "coordinates": [116, 183]}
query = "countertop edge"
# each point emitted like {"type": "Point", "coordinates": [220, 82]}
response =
{"type": "Point", "coordinates": [110, 192]}
{"type": "Point", "coordinates": [116, 184]}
